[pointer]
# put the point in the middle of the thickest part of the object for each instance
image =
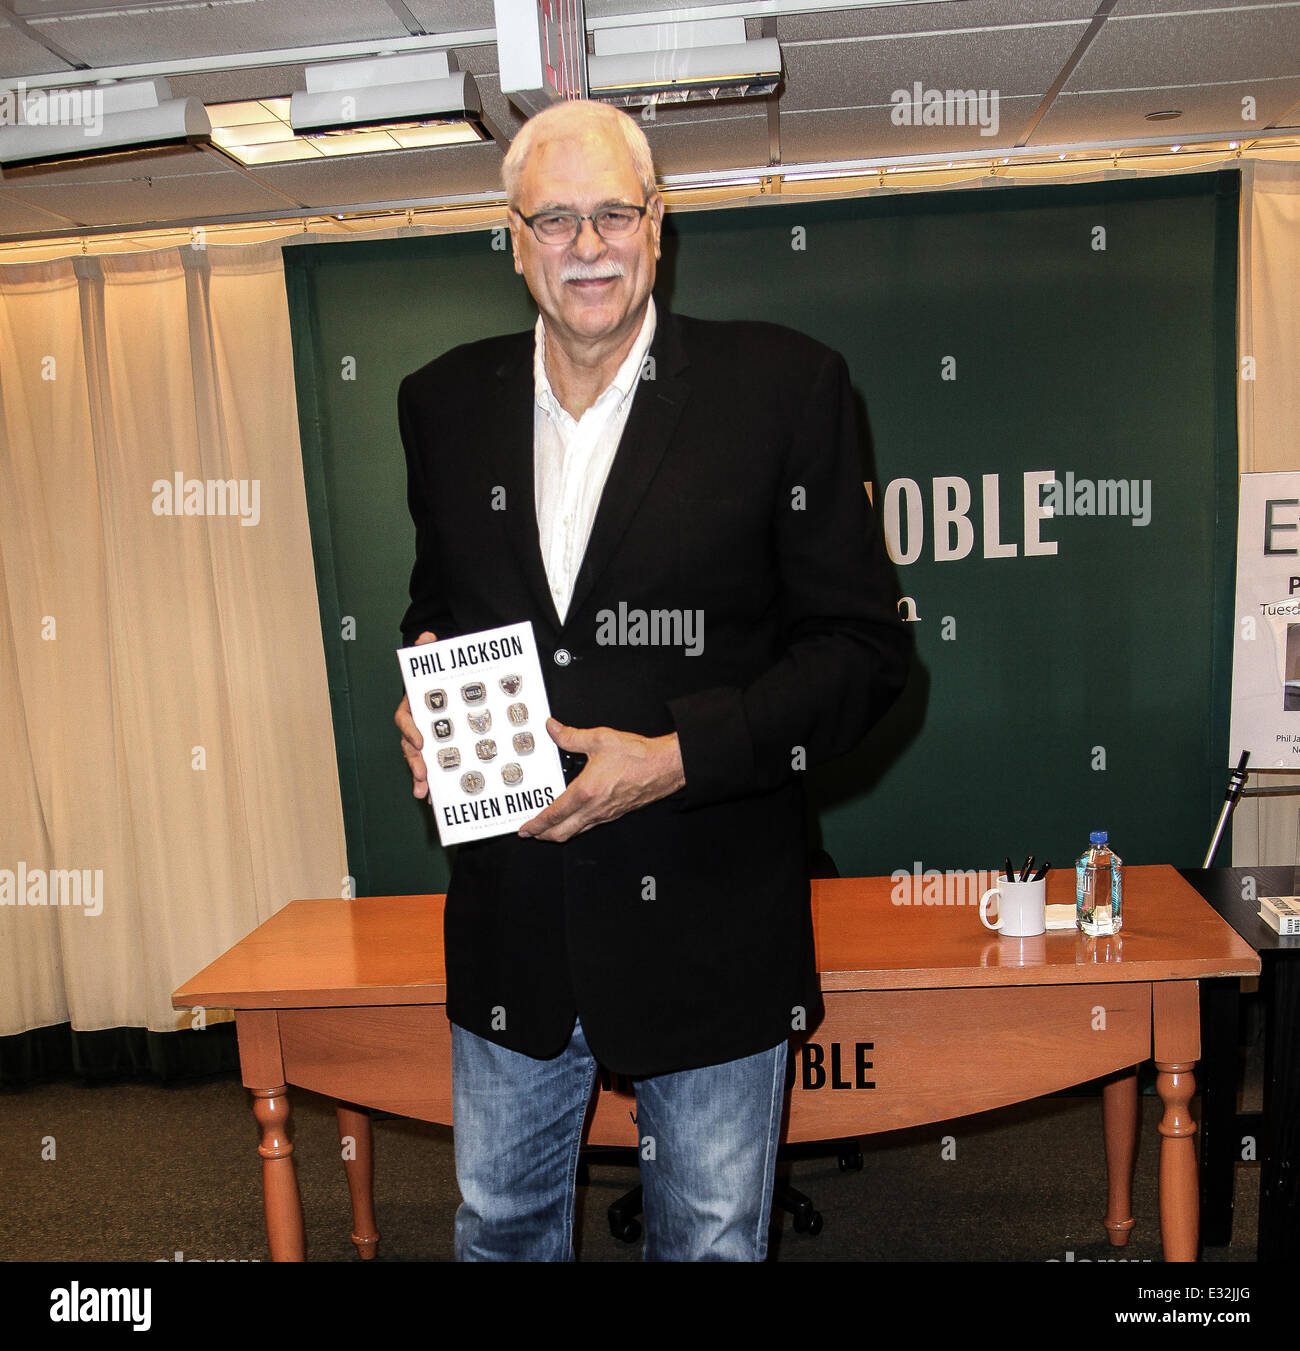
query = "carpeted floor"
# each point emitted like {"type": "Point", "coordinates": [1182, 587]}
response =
{"type": "Point", "coordinates": [141, 1173]}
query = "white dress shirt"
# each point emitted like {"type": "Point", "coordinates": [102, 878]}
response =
{"type": "Point", "coordinates": [571, 460]}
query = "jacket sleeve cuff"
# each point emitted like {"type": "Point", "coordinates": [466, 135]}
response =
{"type": "Point", "coordinates": [716, 746]}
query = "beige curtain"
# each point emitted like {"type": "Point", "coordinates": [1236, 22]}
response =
{"type": "Point", "coordinates": [1269, 407]}
{"type": "Point", "coordinates": [169, 772]}
{"type": "Point", "coordinates": [1268, 414]}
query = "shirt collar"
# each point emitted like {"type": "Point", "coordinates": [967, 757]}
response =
{"type": "Point", "coordinates": [625, 378]}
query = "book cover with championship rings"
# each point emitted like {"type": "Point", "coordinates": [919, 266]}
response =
{"type": "Point", "coordinates": [460, 688]}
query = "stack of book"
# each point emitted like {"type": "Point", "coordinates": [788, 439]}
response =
{"type": "Point", "coordinates": [1281, 913]}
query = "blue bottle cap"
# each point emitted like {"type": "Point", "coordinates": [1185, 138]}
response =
{"type": "Point", "coordinates": [1099, 837]}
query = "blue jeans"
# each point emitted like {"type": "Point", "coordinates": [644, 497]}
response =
{"type": "Point", "coordinates": [708, 1140]}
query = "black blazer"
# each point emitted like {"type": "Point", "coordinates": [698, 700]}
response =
{"type": "Point", "coordinates": [681, 932]}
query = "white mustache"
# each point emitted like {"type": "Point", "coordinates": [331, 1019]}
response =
{"type": "Point", "coordinates": [577, 272]}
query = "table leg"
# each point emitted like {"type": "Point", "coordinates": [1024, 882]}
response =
{"type": "Point", "coordinates": [1119, 1115]}
{"type": "Point", "coordinates": [1177, 1037]}
{"type": "Point", "coordinates": [262, 1063]}
{"type": "Point", "coordinates": [356, 1141]}
{"type": "Point", "coordinates": [1179, 1203]}
{"type": "Point", "coordinates": [284, 1232]}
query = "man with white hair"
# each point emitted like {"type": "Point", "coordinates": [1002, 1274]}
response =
{"type": "Point", "coordinates": [655, 917]}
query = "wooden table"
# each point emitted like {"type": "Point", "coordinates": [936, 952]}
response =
{"type": "Point", "coordinates": [929, 1016]}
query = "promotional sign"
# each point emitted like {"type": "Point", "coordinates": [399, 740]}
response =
{"type": "Point", "coordinates": [1266, 646]}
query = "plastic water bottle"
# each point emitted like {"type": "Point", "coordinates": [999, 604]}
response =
{"type": "Point", "coordinates": [1099, 888]}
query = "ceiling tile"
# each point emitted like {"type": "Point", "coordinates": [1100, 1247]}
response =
{"type": "Point", "coordinates": [1259, 43]}
{"type": "Point", "coordinates": [20, 217]}
{"type": "Point", "coordinates": [173, 161]}
{"type": "Point", "coordinates": [1128, 7]}
{"type": "Point", "coordinates": [58, 9]}
{"type": "Point", "coordinates": [403, 175]}
{"type": "Point", "coordinates": [237, 86]}
{"type": "Point", "coordinates": [1014, 62]}
{"type": "Point", "coordinates": [126, 35]}
{"type": "Point", "coordinates": [147, 198]}
{"type": "Point", "coordinates": [904, 18]}
{"type": "Point", "coordinates": [681, 147]}
{"type": "Point", "coordinates": [20, 56]}
{"type": "Point", "coordinates": [603, 9]}
{"type": "Point", "coordinates": [452, 16]}
{"type": "Point", "coordinates": [810, 137]}
{"type": "Point", "coordinates": [1120, 115]}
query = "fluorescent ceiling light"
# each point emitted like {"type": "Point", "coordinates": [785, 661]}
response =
{"type": "Point", "coordinates": [682, 63]}
{"type": "Point", "coordinates": [258, 132]}
{"type": "Point", "coordinates": [50, 125]}
{"type": "Point", "coordinates": [389, 93]}
{"type": "Point", "coordinates": [746, 68]}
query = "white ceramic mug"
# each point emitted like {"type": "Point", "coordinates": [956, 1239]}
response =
{"type": "Point", "coordinates": [1022, 908]}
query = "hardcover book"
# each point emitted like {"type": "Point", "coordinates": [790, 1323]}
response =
{"type": "Point", "coordinates": [1281, 913]}
{"type": "Point", "coordinates": [480, 704]}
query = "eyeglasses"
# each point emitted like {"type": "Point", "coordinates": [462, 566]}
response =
{"type": "Point", "coordinates": [563, 227]}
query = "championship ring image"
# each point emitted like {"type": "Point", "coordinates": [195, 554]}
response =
{"type": "Point", "coordinates": [523, 743]}
{"type": "Point", "coordinates": [474, 693]}
{"type": "Point", "coordinates": [472, 782]}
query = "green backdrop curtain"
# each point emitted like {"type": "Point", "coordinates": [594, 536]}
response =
{"type": "Point", "coordinates": [1073, 670]}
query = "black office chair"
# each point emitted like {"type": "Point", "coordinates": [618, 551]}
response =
{"type": "Point", "coordinates": [624, 1222]}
